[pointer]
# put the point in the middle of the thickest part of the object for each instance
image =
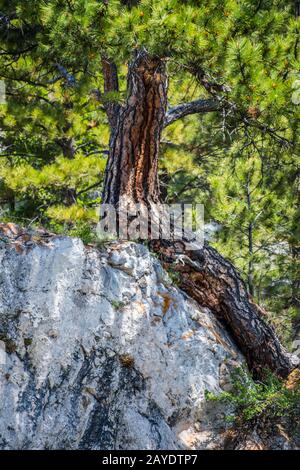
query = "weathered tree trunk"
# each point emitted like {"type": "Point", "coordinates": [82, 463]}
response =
{"type": "Point", "coordinates": [132, 172]}
{"type": "Point", "coordinates": [214, 283]}
{"type": "Point", "coordinates": [132, 165]}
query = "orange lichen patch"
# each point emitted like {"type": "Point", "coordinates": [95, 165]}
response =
{"type": "Point", "coordinates": [167, 301]}
{"type": "Point", "coordinates": [187, 334]}
{"type": "Point", "coordinates": [18, 247]}
{"type": "Point", "coordinates": [13, 228]}
{"type": "Point", "coordinates": [10, 230]}
{"type": "Point", "coordinates": [293, 380]}
{"type": "Point", "coordinates": [126, 360]}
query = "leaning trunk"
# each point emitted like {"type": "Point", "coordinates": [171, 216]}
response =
{"type": "Point", "coordinates": [214, 283]}
{"type": "Point", "coordinates": [208, 278]}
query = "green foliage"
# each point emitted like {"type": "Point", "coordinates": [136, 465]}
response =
{"type": "Point", "coordinates": [81, 227]}
{"type": "Point", "coordinates": [242, 163]}
{"type": "Point", "coordinates": [81, 230]}
{"type": "Point", "coordinates": [174, 276]}
{"type": "Point", "coordinates": [117, 304]}
{"type": "Point", "coordinates": [251, 400]}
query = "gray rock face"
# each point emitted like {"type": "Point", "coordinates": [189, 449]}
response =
{"type": "Point", "coordinates": [102, 352]}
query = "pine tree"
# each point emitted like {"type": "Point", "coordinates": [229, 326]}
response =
{"type": "Point", "coordinates": [227, 122]}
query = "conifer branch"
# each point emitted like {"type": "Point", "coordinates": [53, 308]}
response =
{"type": "Point", "coordinates": [200, 106]}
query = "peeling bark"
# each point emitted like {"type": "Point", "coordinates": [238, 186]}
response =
{"type": "Point", "coordinates": [132, 164]}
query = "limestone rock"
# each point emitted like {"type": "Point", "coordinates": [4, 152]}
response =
{"type": "Point", "coordinates": [103, 352]}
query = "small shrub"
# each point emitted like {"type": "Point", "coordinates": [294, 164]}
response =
{"type": "Point", "coordinates": [81, 230]}
{"type": "Point", "coordinates": [251, 399]}
{"type": "Point", "coordinates": [117, 304]}
{"type": "Point", "coordinates": [27, 342]}
{"type": "Point", "coordinates": [10, 345]}
{"type": "Point", "coordinates": [174, 276]}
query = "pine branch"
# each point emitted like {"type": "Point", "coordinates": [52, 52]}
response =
{"type": "Point", "coordinates": [18, 52]}
{"type": "Point", "coordinates": [200, 106]}
{"type": "Point", "coordinates": [211, 85]}
{"type": "Point", "coordinates": [95, 185]}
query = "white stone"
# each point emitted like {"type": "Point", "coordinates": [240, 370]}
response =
{"type": "Point", "coordinates": [99, 362]}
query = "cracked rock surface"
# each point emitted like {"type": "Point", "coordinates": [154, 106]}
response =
{"type": "Point", "coordinates": [103, 352]}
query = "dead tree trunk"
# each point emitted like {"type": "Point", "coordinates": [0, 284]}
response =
{"type": "Point", "coordinates": [132, 172]}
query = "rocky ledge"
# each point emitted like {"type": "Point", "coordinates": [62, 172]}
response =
{"type": "Point", "coordinates": [102, 351]}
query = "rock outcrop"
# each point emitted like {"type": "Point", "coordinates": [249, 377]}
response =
{"type": "Point", "coordinates": [103, 352]}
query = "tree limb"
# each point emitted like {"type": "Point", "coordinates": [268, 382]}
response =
{"type": "Point", "coordinates": [111, 84]}
{"type": "Point", "coordinates": [95, 185]}
{"type": "Point", "coordinates": [211, 85]}
{"type": "Point", "coordinates": [200, 106]}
